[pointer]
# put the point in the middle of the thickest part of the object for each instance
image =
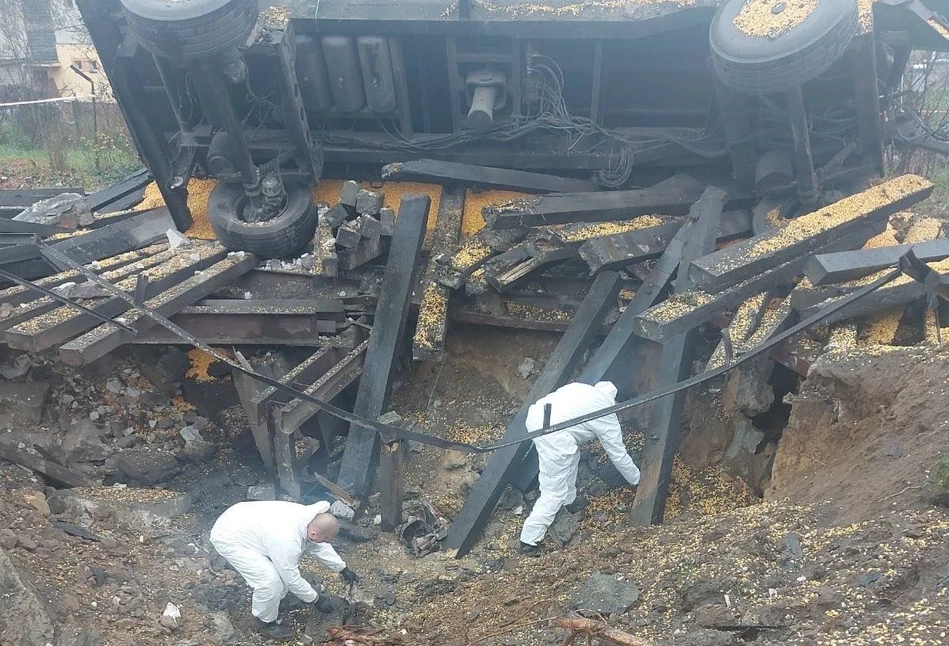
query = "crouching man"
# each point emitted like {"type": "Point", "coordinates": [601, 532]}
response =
{"type": "Point", "coordinates": [559, 453]}
{"type": "Point", "coordinates": [264, 541]}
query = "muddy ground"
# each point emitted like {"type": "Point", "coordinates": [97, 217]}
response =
{"type": "Point", "coordinates": [848, 549]}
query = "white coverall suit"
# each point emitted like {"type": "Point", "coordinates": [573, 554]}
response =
{"type": "Point", "coordinates": [263, 541]}
{"type": "Point", "coordinates": [559, 453]}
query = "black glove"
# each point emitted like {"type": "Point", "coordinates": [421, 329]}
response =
{"type": "Point", "coordinates": [323, 605]}
{"type": "Point", "coordinates": [349, 576]}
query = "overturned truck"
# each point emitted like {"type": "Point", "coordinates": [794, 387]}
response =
{"type": "Point", "coordinates": [640, 136]}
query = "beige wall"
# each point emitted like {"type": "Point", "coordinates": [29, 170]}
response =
{"type": "Point", "coordinates": [70, 83]}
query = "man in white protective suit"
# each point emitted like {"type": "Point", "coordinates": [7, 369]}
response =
{"type": "Point", "coordinates": [264, 541]}
{"type": "Point", "coordinates": [559, 453]}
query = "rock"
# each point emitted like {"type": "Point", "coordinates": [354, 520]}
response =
{"type": "Point", "coordinates": [703, 638]}
{"type": "Point", "coordinates": [65, 210]}
{"type": "Point", "coordinates": [455, 460]}
{"type": "Point", "coordinates": [21, 404]}
{"type": "Point", "coordinates": [20, 366]}
{"type": "Point", "coordinates": [746, 439]}
{"type": "Point", "coordinates": [221, 629]}
{"type": "Point", "coordinates": [83, 442]}
{"type": "Point", "coordinates": [174, 364]}
{"type": "Point", "coordinates": [606, 594]}
{"type": "Point", "coordinates": [413, 492]}
{"type": "Point", "coordinates": [165, 423]}
{"type": "Point", "coordinates": [114, 386]}
{"type": "Point", "coordinates": [25, 621]}
{"type": "Point", "coordinates": [138, 508]}
{"type": "Point", "coordinates": [266, 491]}
{"type": "Point", "coordinates": [198, 452]}
{"type": "Point", "coordinates": [391, 418]}
{"type": "Point", "coordinates": [26, 542]}
{"type": "Point", "coordinates": [342, 510]}
{"type": "Point", "coordinates": [147, 466]}
{"type": "Point", "coordinates": [511, 499]}
{"type": "Point", "coordinates": [71, 603]}
{"type": "Point", "coordinates": [72, 636]}
{"type": "Point", "coordinates": [176, 239]}
{"type": "Point", "coordinates": [37, 501]}
{"type": "Point", "coordinates": [714, 615]}
{"type": "Point", "coordinates": [368, 202]}
{"type": "Point", "coordinates": [355, 533]}
{"type": "Point", "coordinates": [385, 599]}
{"type": "Point", "coordinates": [190, 434]}
{"type": "Point", "coordinates": [527, 368]}
{"type": "Point", "coordinates": [7, 539]}
{"type": "Point", "coordinates": [564, 527]}
{"type": "Point", "coordinates": [171, 617]}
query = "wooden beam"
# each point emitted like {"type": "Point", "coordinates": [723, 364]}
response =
{"type": "Point", "coordinates": [675, 364]}
{"type": "Point", "coordinates": [392, 311]}
{"type": "Point", "coordinates": [685, 311]}
{"type": "Point", "coordinates": [808, 233]}
{"type": "Point", "coordinates": [825, 269]}
{"type": "Point", "coordinates": [673, 196]}
{"type": "Point", "coordinates": [105, 199]}
{"type": "Point", "coordinates": [136, 232]}
{"type": "Point", "coordinates": [743, 324]}
{"type": "Point", "coordinates": [253, 329]}
{"type": "Point", "coordinates": [467, 175]}
{"type": "Point", "coordinates": [105, 338]}
{"type": "Point", "coordinates": [558, 369]}
{"type": "Point", "coordinates": [305, 373]}
{"type": "Point", "coordinates": [64, 322]}
{"type": "Point", "coordinates": [428, 343]}
{"type": "Point", "coordinates": [392, 484]}
{"type": "Point", "coordinates": [46, 468]}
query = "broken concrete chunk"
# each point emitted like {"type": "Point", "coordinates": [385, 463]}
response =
{"type": "Point", "coordinates": [22, 404]}
{"type": "Point", "coordinates": [387, 221]}
{"type": "Point", "coordinates": [349, 195]}
{"type": "Point", "coordinates": [266, 491]}
{"type": "Point", "coordinates": [342, 510]}
{"type": "Point", "coordinates": [347, 236]}
{"type": "Point", "coordinates": [147, 466]}
{"type": "Point", "coordinates": [65, 210]}
{"type": "Point", "coordinates": [177, 240]}
{"type": "Point", "coordinates": [83, 442]}
{"type": "Point", "coordinates": [368, 226]}
{"type": "Point", "coordinates": [368, 202]}
{"type": "Point", "coordinates": [609, 595]}
{"type": "Point", "coordinates": [564, 527]}
{"type": "Point", "coordinates": [198, 452]}
{"type": "Point", "coordinates": [19, 367]}
{"type": "Point", "coordinates": [335, 216]}
{"type": "Point", "coordinates": [25, 619]}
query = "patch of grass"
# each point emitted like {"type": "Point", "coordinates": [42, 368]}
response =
{"type": "Point", "coordinates": [86, 164]}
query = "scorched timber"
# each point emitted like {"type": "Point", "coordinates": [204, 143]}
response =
{"type": "Point", "coordinates": [331, 383]}
{"type": "Point", "coordinates": [66, 322]}
{"type": "Point", "coordinates": [671, 197]}
{"type": "Point", "coordinates": [900, 291]}
{"type": "Point", "coordinates": [503, 463]}
{"type": "Point", "coordinates": [307, 372]}
{"type": "Point", "coordinates": [824, 269]}
{"type": "Point", "coordinates": [466, 175]}
{"type": "Point", "coordinates": [807, 234]}
{"type": "Point", "coordinates": [252, 329]}
{"type": "Point", "coordinates": [429, 340]}
{"type": "Point", "coordinates": [392, 311]}
{"type": "Point", "coordinates": [675, 364]}
{"type": "Point", "coordinates": [105, 338]}
{"type": "Point", "coordinates": [688, 310]}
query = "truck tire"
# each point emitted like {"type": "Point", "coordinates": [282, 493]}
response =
{"type": "Point", "coordinates": [762, 65]}
{"type": "Point", "coordinates": [184, 30]}
{"type": "Point", "coordinates": [279, 237]}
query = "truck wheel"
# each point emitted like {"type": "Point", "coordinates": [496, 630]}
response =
{"type": "Point", "coordinates": [279, 237]}
{"type": "Point", "coordinates": [763, 65]}
{"type": "Point", "coordinates": [184, 30]}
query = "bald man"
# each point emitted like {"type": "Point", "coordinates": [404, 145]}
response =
{"type": "Point", "coordinates": [264, 541]}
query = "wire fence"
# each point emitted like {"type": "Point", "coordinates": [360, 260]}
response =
{"type": "Point", "coordinates": [72, 140]}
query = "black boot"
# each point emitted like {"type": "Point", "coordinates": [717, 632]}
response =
{"type": "Point", "coordinates": [273, 630]}
{"type": "Point", "coordinates": [529, 550]}
{"type": "Point", "coordinates": [577, 505]}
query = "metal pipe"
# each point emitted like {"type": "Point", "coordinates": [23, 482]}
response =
{"type": "Point", "coordinates": [806, 177]}
{"type": "Point", "coordinates": [168, 82]}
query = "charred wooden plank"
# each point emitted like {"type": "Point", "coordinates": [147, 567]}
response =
{"type": "Point", "coordinates": [136, 232]}
{"type": "Point", "coordinates": [743, 324]}
{"type": "Point", "coordinates": [690, 309]}
{"type": "Point", "coordinates": [466, 175]}
{"type": "Point", "coordinates": [392, 480]}
{"type": "Point", "coordinates": [429, 340]}
{"type": "Point", "coordinates": [253, 329]}
{"type": "Point", "coordinates": [675, 364]}
{"type": "Point", "coordinates": [670, 197]}
{"type": "Point", "coordinates": [503, 463]}
{"type": "Point", "coordinates": [824, 269]}
{"type": "Point", "coordinates": [46, 468]}
{"type": "Point", "coordinates": [331, 383]}
{"type": "Point", "coordinates": [302, 375]}
{"type": "Point", "coordinates": [392, 311]}
{"type": "Point", "coordinates": [806, 234]}
{"type": "Point", "coordinates": [64, 322]}
{"type": "Point", "coordinates": [105, 338]}
{"type": "Point", "coordinates": [278, 307]}
{"type": "Point", "coordinates": [473, 253]}
{"type": "Point", "coordinates": [120, 192]}
{"type": "Point", "coordinates": [15, 226]}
